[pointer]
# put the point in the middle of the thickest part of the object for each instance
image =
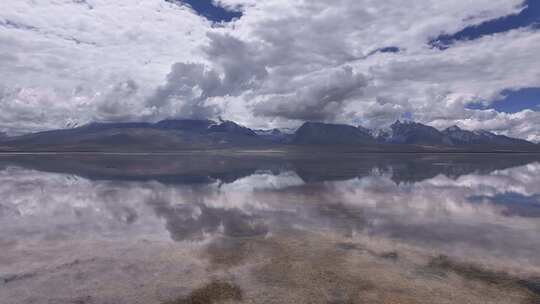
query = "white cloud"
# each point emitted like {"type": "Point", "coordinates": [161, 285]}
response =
{"type": "Point", "coordinates": [85, 50]}
{"type": "Point", "coordinates": [435, 213]}
{"type": "Point", "coordinates": [282, 62]}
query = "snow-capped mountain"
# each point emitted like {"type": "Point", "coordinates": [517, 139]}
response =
{"type": "Point", "coordinates": [412, 133]}
{"type": "Point", "coordinates": [276, 135]}
{"type": "Point", "coordinates": [172, 135]}
{"type": "Point", "coordinates": [459, 136]}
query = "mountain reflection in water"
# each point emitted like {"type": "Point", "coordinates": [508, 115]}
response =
{"type": "Point", "coordinates": [238, 210]}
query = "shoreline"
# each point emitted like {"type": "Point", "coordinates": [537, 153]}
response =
{"type": "Point", "coordinates": [274, 152]}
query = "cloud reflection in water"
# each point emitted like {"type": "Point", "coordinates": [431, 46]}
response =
{"type": "Point", "coordinates": [463, 215]}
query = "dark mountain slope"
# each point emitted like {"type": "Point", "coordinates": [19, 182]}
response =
{"type": "Point", "coordinates": [229, 127]}
{"type": "Point", "coordinates": [459, 136]}
{"type": "Point", "coordinates": [163, 136]}
{"type": "Point", "coordinates": [314, 133]}
{"type": "Point", "coordinates": [193, 125]}
{"type": "Point", "coordinates": [417, 134]}
{"type": "Point", "coordinates": [276, 135]}
{"type": "Point", "coordinates": [181, 135]}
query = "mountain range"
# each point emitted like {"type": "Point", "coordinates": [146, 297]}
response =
{"type": "Point", "coordinates": [189, 134]}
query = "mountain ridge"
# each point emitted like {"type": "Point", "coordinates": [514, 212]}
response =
{"type": "Point", "coordinates": [192, 134]}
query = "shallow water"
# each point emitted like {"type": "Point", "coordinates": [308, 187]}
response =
{"type": "Point", "coordinates": [248, 228]}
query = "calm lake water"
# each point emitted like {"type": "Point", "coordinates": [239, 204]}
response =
{"type": "Point", "coordinates": [245, 228]}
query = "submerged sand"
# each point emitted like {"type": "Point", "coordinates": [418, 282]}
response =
{"type": "Point", "coordinates": [162, 230]}
{"type": "Point", "coordinates": [299, 267]}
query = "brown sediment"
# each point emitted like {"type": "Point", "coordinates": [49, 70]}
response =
{"type": "Point", "coordinates": [470, 271]}
{"type": "Point", "coordinates": [293, 267]}
{"type": "Point", "coordinates": [310, 272]}
{"type": "Point", "coordinates": [347, 246]}
{"type": "Point", "coordinates": [390, 255]}
{"type": "Point", "coordinates": [387, 255]}
{"type": "Point", "coordinates": [302, 269]}
{"type": "Point", "coordinates": [213, 292]}
{"type": "Point", "coordinates": [500, 279]}
{"type": "Point", "coordinates": [16, 277]}
{"type": "Point", "coordinates": [532, 284]}
{"type": "Point", "coordinates": [228, 252]}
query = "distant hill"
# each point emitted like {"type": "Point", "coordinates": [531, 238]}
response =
{"type": "Point", "coordinates": [331, 134]}
{"type": "Point", "coordinates": [416, 133]}
{"type": "Point", "coordinates": [189, 134]}
{"type": "Point", "coordinates": [458, 136]}
{"type": "Point", "coordinates": [419, 134]}
{"type": "Point", "coordinates": [276, 135]}
{"type": "Point", "coordinates": [165, 135]}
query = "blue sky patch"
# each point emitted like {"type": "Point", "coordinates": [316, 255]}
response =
{"type": "Point", "coordinates": [210, 11]}
{"type": "Point", "coordinates": [528, 17]}
{"type": "Point", "coordinates": [515, 204]}
{"type": "Point", "coordinates": [513, 101]}
{"type": "Point", "coordinates": [390, 49]}
{"type": "Point", "coordinates": [407, 116]}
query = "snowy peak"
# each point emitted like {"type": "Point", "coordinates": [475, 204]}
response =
{"type": "Point", "coordinates": [276, 135]}
{"type": "Point", "coordinates": [454, 128]}
{"type": "Point", "coordinates": [185, 124]}
{"type": "Point", "coordinates": [232, 128]}
{"type": "Point", "coordinates": [459, 136]}
{"type": "Point", "coordinates": [208, 134]}
{"type": "Point", "coordinates": [415, 133]}
{"type": "Point", "coordinates": [480, 137]}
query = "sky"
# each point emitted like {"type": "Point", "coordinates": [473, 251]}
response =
{"type": "Point", "coordinates": [273, 63]}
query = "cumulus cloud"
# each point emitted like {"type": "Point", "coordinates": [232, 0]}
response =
{"type": "Point", "coordinates": [119, 102]}
{"type": "Point", "coordinates": [186, 91]}
{"type": "Point", "coordinates": [317, 97]}
{"type": "Point", "coordinates": [73, 55]}
{"type": "Point", "coordinates": [306, 49]}
{"type": "Point", "coordinates": [44, 206]}
{"type": "Point", "coordinates": [314, 60]}
{"type": "Point", "coordinates": [189, 86]}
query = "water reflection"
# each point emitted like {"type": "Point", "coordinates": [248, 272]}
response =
{"type": "Point", "coordinates": [477, 208]}
{"type": "Point", "coordinates": [431, 201]}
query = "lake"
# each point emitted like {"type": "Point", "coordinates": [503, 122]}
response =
{"type": "Point", "coordinates": [269, 228]}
